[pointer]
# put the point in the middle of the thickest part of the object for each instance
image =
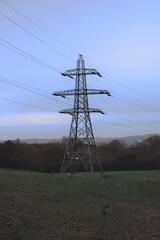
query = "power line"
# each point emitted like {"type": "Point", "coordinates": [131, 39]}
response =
{"type": "Point", "coordinates": [24, 88]}
{"type": "Point", "coordinates": [123, 85]}
{"type": "Point", "coordinates": [25, 104]}
{"type": "Point", "coordinates": [13, 50]}
{"type": "Point", "coordinates": [42, 29]}
{"type": "Point", "coordinates": [131, 126]}
{"type": "Point", "coordinates": [27, 55]}
{"type": "Point", "coordinates": [135, 122]}
{"type": "Point", "coordinates": [129, 100]}
{"type": "Point", "coordinates": [135, 90]}
{"type": "Point", "coordinates": [25, 85]}
{"type": "Point", "coordinates": [130, 120]}
{"type": "Point", "coordinates": [48, 66]}
{"type": "Point", "coordinates": [38, 26]}
{"type": "Point", "coordinates": [136, 104]}
{"type": "Point", "coordinates": [104, 65]}
{"type": "Point", "coordinates": [9, 81]}
{"type": "Point", "coordinates": [52, 99]}
{"type": "Point", "coordinates": [129, 115]}
{"type": "Point", "coordinates": [6, 81]}
{"type": "Point", "coordinates": [33, 35]}
{"type": "Point", "coordinates": [121, 125]}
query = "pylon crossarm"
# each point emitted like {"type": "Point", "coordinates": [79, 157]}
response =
{"type": "Point", "coordinates": [89, 110]}
{"type": "Point", "coordinates": [64, 93]}
{"type": "Point", "coordinates": [96, 110]}
{"type": "Point", "coordinates": [85, 71]}
{"type": "Point", "coordinates": [96, 91]}
{"type": "Point", "coordinates": [69, 111]}
{"type": "Point", "coordinates": [74, 92]}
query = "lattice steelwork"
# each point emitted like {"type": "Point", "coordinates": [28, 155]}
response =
{"type": "Point", "coordinates": [81, 147]}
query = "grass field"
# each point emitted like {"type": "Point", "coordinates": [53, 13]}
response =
{"type": "Point", "coordinates": [119, 205]}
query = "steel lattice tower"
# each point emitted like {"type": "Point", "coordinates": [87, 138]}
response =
{"type": "Point", "coordinates": [81, 145]}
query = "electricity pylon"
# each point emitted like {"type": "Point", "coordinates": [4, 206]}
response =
{"type": "Point", "coordinates": [81, 145]}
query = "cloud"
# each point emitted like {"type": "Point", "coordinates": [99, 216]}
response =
{"type": "Point", "coordinates": [33, 119]}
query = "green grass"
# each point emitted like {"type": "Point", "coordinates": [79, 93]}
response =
{"type": "Point", "coordinates": [118, 205]}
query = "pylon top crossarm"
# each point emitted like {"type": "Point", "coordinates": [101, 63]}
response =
{"type": "Point", "coordinates": [76, 92]}
{"type": "Point", "coordinates": [85, 71]}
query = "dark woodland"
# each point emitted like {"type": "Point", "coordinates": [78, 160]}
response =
{"type": "Point", "coordinates": [114, 156]}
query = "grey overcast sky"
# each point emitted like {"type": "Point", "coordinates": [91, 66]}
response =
{"type": "Point", "coordinates": [119, 38]}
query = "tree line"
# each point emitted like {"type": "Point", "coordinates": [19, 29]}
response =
{"type": "Point", "coordinates": [48, 157]}
{"type": "Point", "coordinates": [141, 156]}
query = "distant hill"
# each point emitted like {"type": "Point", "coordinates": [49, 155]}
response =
{"type": "Point", "coordinates": [129, 140]}
{"type": "Point", "coordinates": [41, 140]}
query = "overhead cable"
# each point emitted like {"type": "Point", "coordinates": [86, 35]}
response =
{"type": "Point", "coordinates": [51, 35]}
{"type": "Point", "coordinates": [27, 55]}
{"type": "Point", "coordinates": [11, 82]}
{"type": "Point", "coordinates": [38, 26]}
{"type": "Point", "coordinates": [26, 104]}
{"type": "Point", "coordinates": [33, 35]}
